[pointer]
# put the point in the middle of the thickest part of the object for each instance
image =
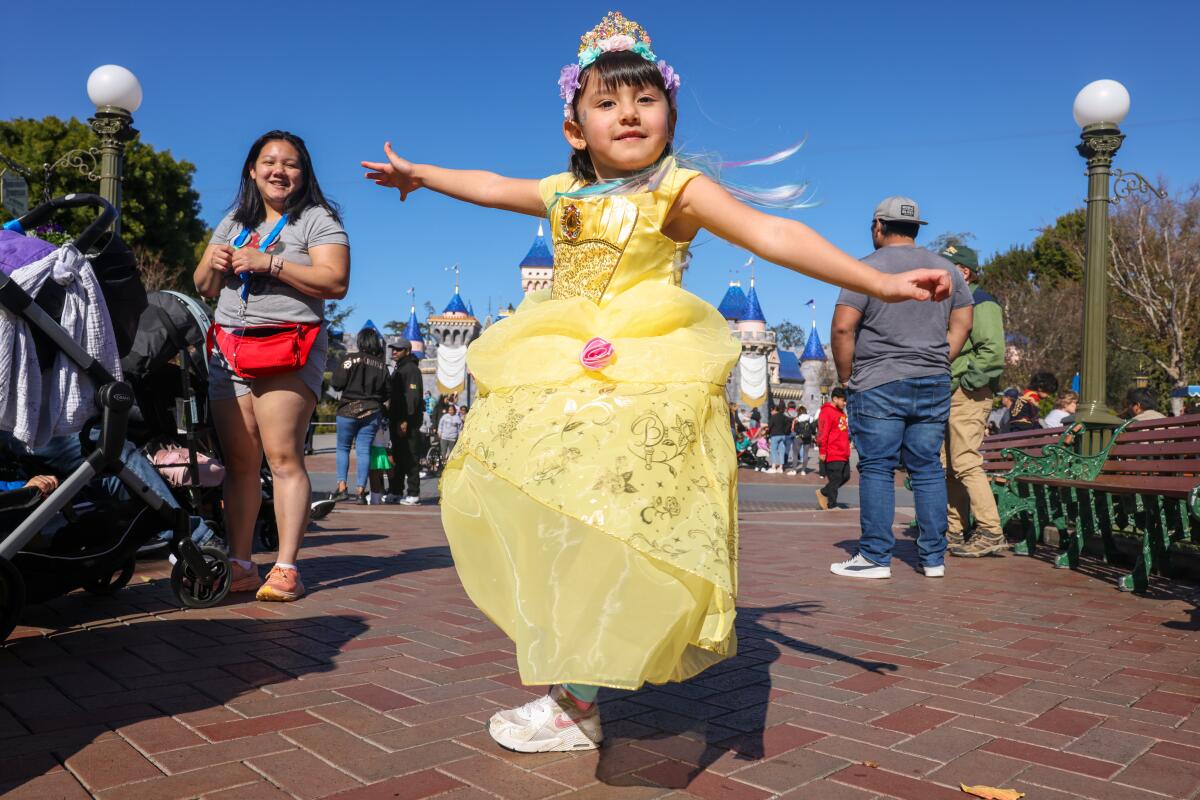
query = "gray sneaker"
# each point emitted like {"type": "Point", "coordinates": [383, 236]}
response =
{"type": "Point", "coordinates": [982, 543]}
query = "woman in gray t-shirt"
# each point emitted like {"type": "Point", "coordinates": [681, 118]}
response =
{"type": "Point", "coordinates": [282, 274]}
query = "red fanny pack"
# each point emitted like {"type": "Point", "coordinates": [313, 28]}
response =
{"type": "Point", "coordinates": [261, 350]}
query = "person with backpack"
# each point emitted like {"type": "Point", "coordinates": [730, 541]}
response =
{"type": "Point", "coordinates": [804, 434]}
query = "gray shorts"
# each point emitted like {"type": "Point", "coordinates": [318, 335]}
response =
{"type": "Point", "coordinates": [224, 384]}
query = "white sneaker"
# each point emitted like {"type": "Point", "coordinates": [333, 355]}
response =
{"type": "Point", "coordinates": [791, 472]}
{"type": "Point", "coordinates": [859, 567]}
{"type": "Point", "coordinates": [934, 571]}
{"type": "Point", "coordinates": [551, 723]}
{"type": "Point", "coordinates": [411, 501]}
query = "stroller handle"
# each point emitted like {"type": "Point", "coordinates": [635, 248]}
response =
{"type": "Point", "coordinates": [91, 234]}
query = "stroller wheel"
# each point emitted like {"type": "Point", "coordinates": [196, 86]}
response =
{"type": "Point", "coordinates": [268, 533]}
{"type": "Point", "coordinates": [196, 593]}
{"type": "Point", "coordinates": [110, 583]}
{"type": "Point", "coordinates": [320, 509]}
{"type": "Point", "coordinates": [12, 597]}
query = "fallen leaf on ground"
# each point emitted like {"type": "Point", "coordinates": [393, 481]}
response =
{"type": "Point", "coordinates": [871, 764]}
{"type": "Point", "coordinates": [991, 792]}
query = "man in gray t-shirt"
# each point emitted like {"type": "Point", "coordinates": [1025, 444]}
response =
{"type": "Point", "coordinates": [895, 359]}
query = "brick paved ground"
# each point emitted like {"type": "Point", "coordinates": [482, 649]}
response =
{"type": "Point", "coordinates": [377, 685]}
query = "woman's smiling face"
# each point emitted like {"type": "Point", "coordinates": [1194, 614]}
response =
{"type": "Point", "coordinates": [276, 172]}
{"type": "Point", "coordinates": [624, 128]}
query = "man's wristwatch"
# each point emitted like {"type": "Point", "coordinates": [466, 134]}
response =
{"type": "Point", "coordinates": [276, 265]}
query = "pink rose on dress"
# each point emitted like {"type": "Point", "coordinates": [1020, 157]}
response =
{"type": "Point", "coordinates": [596, 354]}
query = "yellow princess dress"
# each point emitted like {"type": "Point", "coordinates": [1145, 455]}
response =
{"type": "Point", "coordinates": [592, 513]}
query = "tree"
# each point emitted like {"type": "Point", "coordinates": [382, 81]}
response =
{"type": "Point", "coordinates": [789, 335]}
{"type": "Point", "coordinates": [160, 213]}
{"type": "Point", "coordinates": [1155, 272]}
{"type": "Point", "coordinates": [336, 314]}
{"type": "Point", "coordinates": [395, 327]}
{"type": "Point", "coordinates": [944, 240]}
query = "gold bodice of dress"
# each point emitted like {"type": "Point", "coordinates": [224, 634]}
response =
{"type": "Point", "coordinates": [606, 245]}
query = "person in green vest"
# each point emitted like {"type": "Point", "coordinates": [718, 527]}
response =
{"type": "Point", "coordinates": [974, 379]}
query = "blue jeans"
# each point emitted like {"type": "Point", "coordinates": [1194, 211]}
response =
{"type": "Point", "coordinates": [905, 417]}
{"type": "Point", "coordinates": [778, 450]}
{"type": "Point", "coordinates": [360, 433]}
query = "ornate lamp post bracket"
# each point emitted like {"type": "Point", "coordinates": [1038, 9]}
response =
{"type": "Point", "coordinates": [1126, 183]}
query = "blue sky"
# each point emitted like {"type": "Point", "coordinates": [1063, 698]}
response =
{"type": "Point", "coordinates": [963, 106]}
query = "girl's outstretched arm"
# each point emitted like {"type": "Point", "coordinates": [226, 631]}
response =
{"type": "Point", "coordinates": [474, 186]}
{"type": "Point", "coordinates": [703, 203]}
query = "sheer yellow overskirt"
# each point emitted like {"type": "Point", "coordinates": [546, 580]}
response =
{"type": "Point", "coordinates": [592, 514]}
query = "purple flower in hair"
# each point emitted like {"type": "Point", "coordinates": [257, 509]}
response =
{"type": "Point", "coordinates": [670, 78]}
{"type": "Point", "coordinates": [568, 82]}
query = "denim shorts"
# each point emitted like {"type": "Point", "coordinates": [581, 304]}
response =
{"type": "Point", "coordinates": [224, 384]}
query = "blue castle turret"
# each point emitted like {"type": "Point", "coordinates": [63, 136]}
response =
{"type": "Point", "coordinates": [457, 306]}
{"type": "Point", "coordinates": [537, 268]}
{"type": "Point", "coordinates": [754, 312]}
{"type": "Point", "coordinates": [735, 303]}
{"type": "Point", "coordinates": [412, 332]}
{"type": "Point", "coordinates": [813, 350]}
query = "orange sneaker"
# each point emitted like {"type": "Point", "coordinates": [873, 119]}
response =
{"type": "Point", "coordinates": [244, 579]}
{"type": "Point", "coordinates": [283, 585]}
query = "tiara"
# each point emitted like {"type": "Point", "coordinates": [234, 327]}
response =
{"type": "Point", "coordinates": [614, 33]}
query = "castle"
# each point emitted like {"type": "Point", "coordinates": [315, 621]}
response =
{"type": "Point", "coordinates": [765, 373]}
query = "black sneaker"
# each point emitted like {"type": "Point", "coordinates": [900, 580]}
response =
{"type": "Point", "coordinates": [338, 495]}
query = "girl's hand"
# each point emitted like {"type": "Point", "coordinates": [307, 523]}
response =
{"type": "Point", "coordinates": [222, 257]}
{"type": "Point", "coordinates": [396, 172]}
{"type": "Point", "coordinates": [917, 284]}
{"type": "Point", "coordinates": [249, 259]}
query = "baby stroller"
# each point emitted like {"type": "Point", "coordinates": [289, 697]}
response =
{"type": "Point", "coordinates": [432, 463]}
{"type": "Point", "coordinates": [168, 370]}
{"type": "Point", "coordinates": [68, 540]}
{"type": "Point", "coordinates": [171, 423]}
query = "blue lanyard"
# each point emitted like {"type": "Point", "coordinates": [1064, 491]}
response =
{"type": "Point", "coordinates": [244, 237]}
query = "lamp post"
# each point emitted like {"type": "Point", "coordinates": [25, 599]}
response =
{"type": "Point", "coordinates": [116, 93]}
{"type": "Point", "coordinates": [1099, 108]}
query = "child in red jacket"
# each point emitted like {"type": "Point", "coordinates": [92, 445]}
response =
{"type": "Point", "coordinates": [833, 443]}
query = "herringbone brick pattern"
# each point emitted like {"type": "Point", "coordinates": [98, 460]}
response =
{"type": "Point", "coordinates": [378, 685]}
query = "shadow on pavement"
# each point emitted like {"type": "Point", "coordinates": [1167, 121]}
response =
{"type": "Point", "coordinates": [61, 693]}
{"type": "Point", "coordinates": [325, 572]}
{"type": "Point", "coordinates": [724, 710]}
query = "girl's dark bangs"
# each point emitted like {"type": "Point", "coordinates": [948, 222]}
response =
{"type": "Point", "coordinates": [625, 68]}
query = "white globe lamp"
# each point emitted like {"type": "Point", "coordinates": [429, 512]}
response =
{"type": "Point", "coordinates": [1101, 101]}
{"type": "Point", "coordinates": [111, 85]}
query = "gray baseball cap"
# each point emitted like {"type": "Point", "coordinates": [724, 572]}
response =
{"type": "Point", "coordinates": [899, 209]}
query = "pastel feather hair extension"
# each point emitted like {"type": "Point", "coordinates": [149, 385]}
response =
{"type": "Point", "coordinates": [781, 198]}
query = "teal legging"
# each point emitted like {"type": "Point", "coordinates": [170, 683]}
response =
{"type": "Point", "coordinates": [582, 691]}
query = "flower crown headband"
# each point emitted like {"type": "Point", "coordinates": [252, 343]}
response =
{"type": "Point", "coordinates": [614, 33]}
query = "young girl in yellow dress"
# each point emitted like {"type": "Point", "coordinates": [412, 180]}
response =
{"type": "Point", "coordinates": [590, 503]}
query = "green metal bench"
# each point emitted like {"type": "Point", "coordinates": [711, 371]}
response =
{"type": "Point", "coordinates": [1045, 453]}
{"type": "Point", "coordinates": [1146, 482]}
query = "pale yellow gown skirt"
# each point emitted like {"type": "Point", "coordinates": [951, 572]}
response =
{"type": "Point", "coordinates": [592, 515]}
